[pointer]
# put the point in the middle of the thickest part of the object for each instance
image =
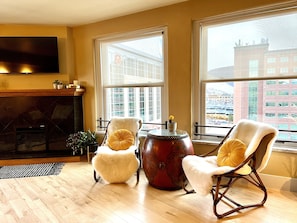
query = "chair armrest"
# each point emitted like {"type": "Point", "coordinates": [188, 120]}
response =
{"type": "Point", "coordinates": [220, 144]}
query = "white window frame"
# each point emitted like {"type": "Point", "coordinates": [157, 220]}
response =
{"type": "Point", "coordinates": [99, 88]}
{"type": "Point", "coordinates": [198, 99]}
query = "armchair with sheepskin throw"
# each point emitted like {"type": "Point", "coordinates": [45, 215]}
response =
{"type": "Point", "coordinates": [243, 153]}
{"type": "Point", "coordinates": [118, 157]}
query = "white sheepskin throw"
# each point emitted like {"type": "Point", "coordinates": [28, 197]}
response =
{"type": "Point", "coordinates": [251, 133]}
{"type": "Point", "coordinates": [131, 124]}
{"type": "Point", "coordinates": [115, 166]}
{"type": "Point", "coordinates": [199, 172]}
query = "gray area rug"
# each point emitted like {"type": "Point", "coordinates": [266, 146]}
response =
{"type": "Point", "coordinates": [31, 170]}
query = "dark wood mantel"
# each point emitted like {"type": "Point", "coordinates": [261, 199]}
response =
{"type": "Point", "coordinates": [42, 92]}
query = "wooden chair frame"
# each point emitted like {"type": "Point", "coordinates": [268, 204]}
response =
{"type": "Point", "coordinates": [224, 182]}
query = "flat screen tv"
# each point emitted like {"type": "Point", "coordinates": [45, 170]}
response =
{"type": "Point", "coordinates": [29, 55]}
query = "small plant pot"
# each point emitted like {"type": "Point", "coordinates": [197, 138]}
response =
{"type": "Point", "coordinates": [78, 152]}
{"type": "Point", "coordinates": [172, 126]}
{"type": "Point", "coordinates": [60, 86]}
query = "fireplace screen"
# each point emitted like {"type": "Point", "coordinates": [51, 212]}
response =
{"type": "Point", "coordinates": [31, 139]}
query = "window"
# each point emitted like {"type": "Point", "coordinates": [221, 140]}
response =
{"type": "Point", "coordinates": [270, 82]}
{"type": "Point", "coordinates": [244, 70]}
{"type": "Point", "coordinates": [131, 75]}
{"type": "Point", "coordinates": [270, 115]}
{"type": "Point", "coordinates": [270, 93]}
{"type": "Point", "coordinates": [271, 71]}
{"type": "Point", "coordinates": [283, 92]}
{"type": "Point", "coordinates": [270, 104]}
{"type": "Point", "coordinates": [283, 82]}
{"type": "Point", "coordinates": [283, 70]}
{"type": "Point", "coordinates": [284, 59]}
{"type": "Point", "coordinates": [253, 68]}
{"type": "Point", "coordinates": [271, 60]}
{"type": "Point", "coordinates": [282, 115]}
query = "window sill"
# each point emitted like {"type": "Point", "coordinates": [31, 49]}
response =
{"type": "Point", "coordinates": [205, 142]}
{"type": "Point", "coordinates": [276, 148]}
{"type": "Point", "coordinates": [284, 150]}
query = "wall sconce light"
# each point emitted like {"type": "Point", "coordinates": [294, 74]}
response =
{"type": "Point", "coordinates": [26, 70]}
{"type": "Point", "coordinates": [3, 70]}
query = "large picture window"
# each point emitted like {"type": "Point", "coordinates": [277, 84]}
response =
{"type": "Point", "coordinates": [131, 76]}
{"type": "Point", "coordinates": [247, 70]}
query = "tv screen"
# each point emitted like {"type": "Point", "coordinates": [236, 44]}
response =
{"type": "Point", "coordinates": [29, 55]}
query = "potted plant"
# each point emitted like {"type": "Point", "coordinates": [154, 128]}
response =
{"type": "Point", "coordinates": [79, 141]}
{"type": "Point", "coordinates": [55, 84]}
{"type": "Point", "coordinates": [58, 84]}
{"type": "Point", "coordinates": [172, 126]}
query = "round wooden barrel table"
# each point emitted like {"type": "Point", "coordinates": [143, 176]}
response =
{"type": "Point", "coordinates": [162, 155]}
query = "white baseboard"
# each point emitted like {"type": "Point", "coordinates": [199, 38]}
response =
{"type": "Point", "coordinates": [279, 182]}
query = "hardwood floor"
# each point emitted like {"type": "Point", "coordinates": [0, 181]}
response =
{"type": "Point", "coordinates": [73, 196]}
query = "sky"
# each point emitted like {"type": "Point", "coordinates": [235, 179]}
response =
{"type": "Point", "coordinates": [281, 32]}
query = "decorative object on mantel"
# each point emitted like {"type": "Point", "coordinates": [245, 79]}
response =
{"type": "Point", "coordinates": [79, 141]}
{"type": "Point", "coordinates": [75, 84]}
{"type": "Point", "coordinates": [171, 125]}
{"type": "Point", "coordinates": [58, 84]}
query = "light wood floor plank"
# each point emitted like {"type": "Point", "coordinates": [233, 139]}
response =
{"type": "Point", "coordinates": [73, 196]}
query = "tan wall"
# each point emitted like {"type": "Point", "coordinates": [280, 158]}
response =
{"type": "Point", "coordinates": [178, 19]}
{"type": "Point", "coordinates": [40, 81]}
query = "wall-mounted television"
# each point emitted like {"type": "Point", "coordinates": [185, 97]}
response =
{"type": "Point", "coordinates": [27, 55]}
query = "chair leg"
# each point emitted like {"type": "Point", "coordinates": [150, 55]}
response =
{"type": "Point", "coordinates": [96, 176]}
{"type": "Point", "coordinates": [138, 156]}
{"type": "Point", "coordinates": [184, 187]}
{"type": "Point", "coordinates": [137, 175]}
{"type": "Point", "coordinates": [219, 196]}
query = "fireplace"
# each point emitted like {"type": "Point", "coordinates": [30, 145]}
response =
{"type": "Point", "coordinates": [36, 123]}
